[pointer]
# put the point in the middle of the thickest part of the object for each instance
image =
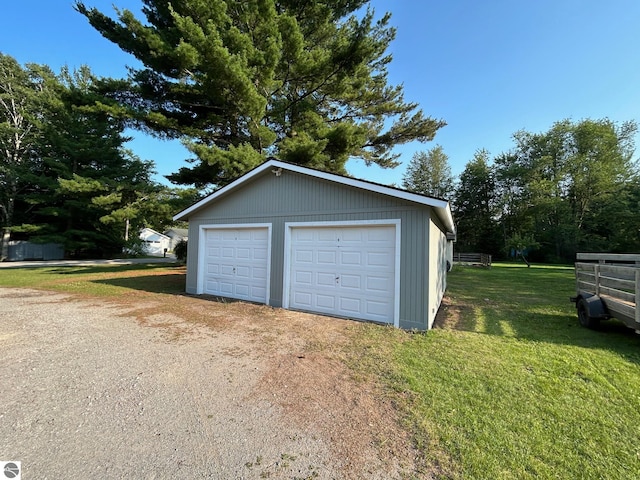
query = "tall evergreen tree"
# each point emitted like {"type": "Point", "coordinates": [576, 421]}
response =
{"type": "Point", "coordinates": [429, 173]}
{"type": "Point", "coordinates": [87, 173]}
{"type": "Point", "coordinates": [241, 81]}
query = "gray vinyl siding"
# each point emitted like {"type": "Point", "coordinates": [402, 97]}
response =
{"type": "Point", "coordinates": [294, 197]}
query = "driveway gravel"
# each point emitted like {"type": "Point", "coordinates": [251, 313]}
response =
{"type": "Point", "coordinates": [92, 389]}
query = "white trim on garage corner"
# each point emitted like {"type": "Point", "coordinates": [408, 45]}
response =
{"type": "Point", "coordinates": [231, 226]}
{"type": "Point", "coordinates": [396, 222]}
{"type": "Point", "coordinates": [442, 206]}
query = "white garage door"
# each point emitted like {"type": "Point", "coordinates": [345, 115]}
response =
{"type": "Point", "coordinates": [236, 263]}
{"type": "Point", "coordinates": [344, 271]}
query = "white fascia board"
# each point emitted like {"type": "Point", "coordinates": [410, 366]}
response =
{"type": "Point", "coordinates": [153, 232]}
{"type": "Point", "coordinates": [183, 215]}
{"type": "Point", "coordinates": [442, 206]}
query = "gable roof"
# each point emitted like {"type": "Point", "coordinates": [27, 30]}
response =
{"type": "Point", "coordinates": [441, 207]}
{"type": "Point", "coordinates": [151, 231]}
{"type": "Point", "coordinates": [182, 232]}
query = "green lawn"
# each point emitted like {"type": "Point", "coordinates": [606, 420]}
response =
{"type": "Point", "coordinates": [99, 280]}
{"type": "Point", "coordinates": [510, 386]}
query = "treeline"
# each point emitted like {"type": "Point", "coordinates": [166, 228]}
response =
{"type": "Point", "coordinates": [573, 188]}
{"type": "Point", "coordinates": [65, 174]}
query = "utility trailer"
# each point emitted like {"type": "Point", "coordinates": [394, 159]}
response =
{"type": "Point", "coordinates": [607, 285]}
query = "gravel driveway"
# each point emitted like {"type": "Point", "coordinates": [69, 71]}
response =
{"type": "Point", "coordinates": [99, 390]}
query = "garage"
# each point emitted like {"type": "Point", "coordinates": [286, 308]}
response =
{"type": "Point", "coordinates": [236, 262]}
{"type": "Point", "coordinates": [346, 270]}
{"type": "Point", "coordinates": [294, 237]}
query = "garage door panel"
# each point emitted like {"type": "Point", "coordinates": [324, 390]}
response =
{"type": "Point", "coordinates": [237, 263]}
{"type": "Point", "coordinates": [303, 299]}
{"type": "Point", "coordinates": [259, 273]}
{"type": "Point", "coordinates": [242, 272]}
{"type": "Point", "coordinates": [381, 235]}
{"type": "Point", "coordinates": [352, 235]}
{"type": "Point", "coordinates": [350, 258]}
{"type": "Point", "coordinates": [337, 270]}
{"type": "Point", "coordinates": [324, 279]}
{"type": "Point", "coordinates": [379, 259]}
{"type": "Point", "coordinates": [376, 308]}
{"type": "Point", "coordinates": [327, 257]}
{"type": "Point", "coordinates": [226, 288]}
{"type": "Point", "coordinates": [351, 281]}
{"type": "Point", "coordinates": [353, 305]}
{"type": "Point", "coordinates": [260, 234]}
{"type": "Point", "coordinates": [378, 284]}
{"type": "Point", "coordinates": [303, 236]}
{"type": "Point", "coordinates": [260, 254]}
{"type": "Point", "coordinates": [303, 277]}
{"type": "Point", "coordinates": [326, 302]}
{"type": "Point", "coordinates": [258, 292]}
{"type": "Point", "coordinates": [325, 235]}
{"type": "Point", "coordinates": [242, 290]}
{"type": "Point", "coordinates": [303, 256]}
{"type": "Point", "coordinates": [226, 269]}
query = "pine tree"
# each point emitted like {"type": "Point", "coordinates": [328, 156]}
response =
{"type": "Point", "coordinates": [86, 173]}
{"type": "Point", "coordinates": [241, 81]}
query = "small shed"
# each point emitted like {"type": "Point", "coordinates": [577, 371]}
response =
{"type": "Point", "coordinates": [154, 242]}
{"type": "Point", "coordinates": [299, 238]}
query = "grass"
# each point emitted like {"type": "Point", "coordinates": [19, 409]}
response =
{"type": "Point", "coordinates": [100, 281]}
{"type": "Point", "coordinates": [507, 387]}
{"type": "Point", "coordinates": [510, 386]}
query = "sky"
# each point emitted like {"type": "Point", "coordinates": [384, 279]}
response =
{"type": "Point", "coordinates": [488, 68]}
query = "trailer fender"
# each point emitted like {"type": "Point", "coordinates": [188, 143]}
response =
{"type": "Point", "coordinates": [591, 309]}
{"type": "Point", "coordinates": [595, 305]}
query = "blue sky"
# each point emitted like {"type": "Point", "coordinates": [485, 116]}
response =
{"type": "Point", "coordinates": [488, 68]}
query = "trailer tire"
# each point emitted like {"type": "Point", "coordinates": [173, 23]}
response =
{"type": "Point", "coordinates": [583, 315]}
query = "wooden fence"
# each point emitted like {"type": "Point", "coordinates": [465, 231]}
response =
{"type": "Point", "coordinates": [482, 259]}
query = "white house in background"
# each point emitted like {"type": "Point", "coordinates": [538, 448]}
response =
{"type": "Point", "coordinates": [176, 235]}
{"type": "Point", "coordinates": [155, 243]}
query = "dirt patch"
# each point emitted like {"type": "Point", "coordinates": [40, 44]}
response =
{"type": "Point", "coordinates": [451, 316]}
{"type": "Point", "coordinates": [163, 386]}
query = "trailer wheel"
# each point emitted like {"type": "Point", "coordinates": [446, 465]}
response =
{"type": "Point", "coordinates": [583, 315]}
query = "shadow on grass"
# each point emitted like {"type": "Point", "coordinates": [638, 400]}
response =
{"type": "Point", "coordinates": [170, 283]}
{"type": "Point", "coordinates": [91, 269]}
{"type": "Point", "coordinates": [530, 304]}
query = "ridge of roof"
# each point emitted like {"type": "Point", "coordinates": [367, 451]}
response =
{"type": "Point", "coordinates": [437, 203]}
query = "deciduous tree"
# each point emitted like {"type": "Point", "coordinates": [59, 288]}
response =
{"type": "Point", "coordinates": [557, 185]}
{"type": "Point", "coordinates": [24, 100]}
{"type": "Point", "coordinates": [475, 207]}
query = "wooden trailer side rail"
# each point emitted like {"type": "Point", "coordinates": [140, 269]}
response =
{"type": "Point", "coordinates": [615, 279]}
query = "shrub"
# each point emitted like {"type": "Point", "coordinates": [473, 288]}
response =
{"type": "Point", "coordinates": [134, 247]}
{"type": "Point", "coordinates": [180, 250]}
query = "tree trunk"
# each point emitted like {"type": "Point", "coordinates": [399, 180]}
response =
{"type": "Point", "coordinates": [4, 244]}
